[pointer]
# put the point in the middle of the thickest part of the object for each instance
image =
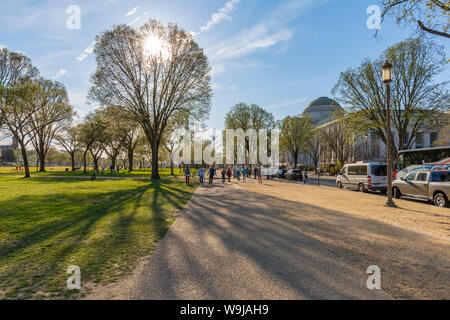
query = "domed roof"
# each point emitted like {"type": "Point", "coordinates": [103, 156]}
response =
{"type": "Point", "coordinates": [322, 110]}
{"type": "Point", "coordinates": [323, 104]}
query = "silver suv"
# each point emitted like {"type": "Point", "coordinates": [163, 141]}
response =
{"type": "Point", "coordinates": [363, 176]}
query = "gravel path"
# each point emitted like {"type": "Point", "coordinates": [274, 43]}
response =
{"type": "Point", "coordinates": [288, 241]}
{"type": "Point", "coordinates": [230, 243]}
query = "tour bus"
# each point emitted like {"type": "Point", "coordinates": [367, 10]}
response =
{"type": "Point", "coordinates": [435, 159]}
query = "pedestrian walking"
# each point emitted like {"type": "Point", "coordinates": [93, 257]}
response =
{"type": "Point", "coordinates": [259, 173]}
{"type": "Point", "coordinates": [224, 175]}
{"type": "Point", "coordinates": [238, 173]}
{"type": "Point", "coordinates": [211, 173]}
{"type": "Point", "coordinates": [187, 175]}
{"type": "Point", "coordinates": [305, 177]}
{"type": "Point", "coordinates": [201, 175]}
{"type": "Point", "coordinates": [229, 174]}
{"type": "Point", "coordinates": [244, 175]}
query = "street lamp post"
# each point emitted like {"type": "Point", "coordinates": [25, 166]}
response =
{"type": "Point", "coordinates": [387, 78]}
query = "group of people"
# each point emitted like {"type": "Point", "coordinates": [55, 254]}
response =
{"type": "Point", "coordinates": [112, 170]}
{"type": "Point", "coordinates": [226, 174]}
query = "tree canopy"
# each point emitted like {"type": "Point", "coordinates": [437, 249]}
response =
{"type": "Point", "coordinates": [155, 72]}
{"type": "Point", "coordinates": [431, 16]}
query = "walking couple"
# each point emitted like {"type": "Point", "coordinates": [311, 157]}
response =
{"type": "Point", "coordinates": [212, 172]}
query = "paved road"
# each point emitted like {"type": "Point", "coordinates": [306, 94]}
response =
{"type": "Point", "coordinates": [229, 243]}
{"type": "Point", "coordinates": [324, 181]}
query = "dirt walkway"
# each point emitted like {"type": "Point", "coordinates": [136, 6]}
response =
{"type": "Point", "coordinates": [285, 241]}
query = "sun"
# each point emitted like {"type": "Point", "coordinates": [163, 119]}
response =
{"type": "Point", "coordinates": [155, 46]}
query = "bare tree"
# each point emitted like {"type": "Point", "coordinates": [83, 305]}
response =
{"type": "Point", "coordinates": [53, 112]}
{"type": "Point", "coordinates": [245, 117]}
{"type": "Point", "coordinates": [295, 133]}
{"type": "Point", "coordinates": [171, 141]}
{"type": "Point", "coordinates": [92, 136]}
{"type": "Point", "coordinates": [431, 16]}
{"type": "Point", "coordinates": [69, 139]}
{"type": "Point", "coordinates": [313, 149]}
{"type": "Point", "coordinates": [16, 73]}
{"type": "Point", "coordinates": [337, 137]}
{"type": "Point", "coordinates": [416, 99]}
{"type": "Point", "coordinates": [154, 72]}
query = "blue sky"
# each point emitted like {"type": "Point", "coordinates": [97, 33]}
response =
{"type": "Point", "coordinates": [278, 54]}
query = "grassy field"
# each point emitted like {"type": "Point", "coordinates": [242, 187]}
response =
{"type": "Point", "coordinates": [101, 226]}
{"type": "Point", "coordinates": [60, 171]}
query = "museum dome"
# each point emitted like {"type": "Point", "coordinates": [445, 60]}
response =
{"type": "Point", "coordinates": [322, 110]}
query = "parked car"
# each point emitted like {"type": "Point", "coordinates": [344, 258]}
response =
{"type": "Point", "coordinates": [282, 173]}
{"type": "Point", "coordinates": [425, 185]}
{"type": "Point", "coordinates": [363, 176]}
{"type": "Point", "coordinates": [294, 175]}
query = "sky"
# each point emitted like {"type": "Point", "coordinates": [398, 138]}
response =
{"type": "Point", "coordinates": [280, 55]}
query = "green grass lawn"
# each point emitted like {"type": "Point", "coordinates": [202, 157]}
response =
{"type": "Point", "coordinates": [103, 227]}
{"type": "Point", "coordinates": [164, 173]}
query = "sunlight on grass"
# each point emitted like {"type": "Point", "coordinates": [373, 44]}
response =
{"type": "Point", "coordinates": [101, 226]}
{"type": "Point", "coordinates": [60, 171]}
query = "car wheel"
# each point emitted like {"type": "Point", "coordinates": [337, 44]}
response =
{"type": "Point", "coordinates": [361, 188]}
{"type": "Point", "coordinates": [397, 193]}
{"type": "Point", "coordinates": [339, 185]}
{"type": "Point", "coordinates": [440, 200]}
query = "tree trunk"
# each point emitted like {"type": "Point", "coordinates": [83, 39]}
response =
{"type": "Point", "coordinates": [85, 161]}
{"type": "Point", "coordinates": [96, 164]}
{"type": "Point", "coordinates": [72, 158]}
{"type": "Point", "coordinates": [155, 166]}
{"type": "Point", "coordinates": [113, 161]}
{"type": "Point", "coordinates": [41, 153]}
{"type": "Point", "coordinates": [295, 160]}
{"type": "Point", "coordinates": [130, 160]}
{"type": "Point", "coordinates": [171, 168]}
{"type": "Point", "coordinates": [25, 161]}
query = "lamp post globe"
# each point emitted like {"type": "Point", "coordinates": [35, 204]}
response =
{"type": "Point", "coordinates": [387, 72]}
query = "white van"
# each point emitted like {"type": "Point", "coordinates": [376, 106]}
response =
{"type": "Point", "coordinates": [363, 176]}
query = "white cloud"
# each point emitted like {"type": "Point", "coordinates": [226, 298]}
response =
{"type": "Point", "coordinates": [134, 21]}
{"type": "Point", "coordinates": [270, 32]}
{"type": "Point", "coordinates": [220, 16]}
{"type": "Point", "coordinates": [247, 42]}
{"type": "Point", "coordinates": [60, 73]}
{"type": "Point", "coordinates": [132, 12]}
{"type": "Point", "coordinates": [81, 57]}
{"type": "Point", "coordinates": [285, 104]}
{"type": "Point", "coordinates": [86, 52]}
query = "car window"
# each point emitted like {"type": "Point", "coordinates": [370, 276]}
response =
{"type": "Point", "coordinates": [344, 171]}
{"type": "Point", "coordinates": [411, 177]}
{"type": "Point", "coordinates": [379, 170]}
{"type": "Point", "coordinates": [362, 170]}
{"type": "Point", "coordinates": [422, 177]}
{"type": "Point", "coordinates": [440, 177]}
